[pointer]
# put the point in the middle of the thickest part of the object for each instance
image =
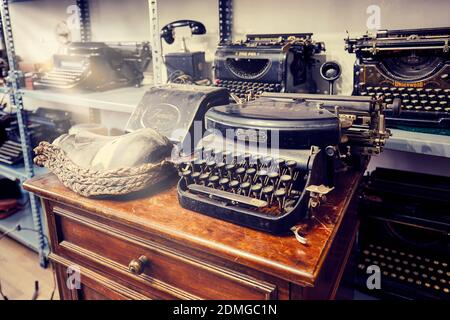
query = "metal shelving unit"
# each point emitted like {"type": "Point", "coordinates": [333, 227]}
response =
{"type": "Point", "coordinates": [15, 99]}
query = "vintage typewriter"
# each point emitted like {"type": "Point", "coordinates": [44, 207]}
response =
{"type": "Point", "coordinates": [43, 124]}
{"type": "Point", "coordinates": [267, 63]}
{"type": "Point", "coordinates": [405, 227]}
{"type": "Point", "coordinates": [266, 163]}
{"type": "Point", "coordinates": [413, 65]}
{"type": "Point", "coordinates": [97, 66]}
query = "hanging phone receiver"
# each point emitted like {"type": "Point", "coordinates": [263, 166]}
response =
{"type": "Point", "coordinates": [167, 31]}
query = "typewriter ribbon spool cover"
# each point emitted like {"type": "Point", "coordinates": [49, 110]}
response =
{"type": "Point", "coordinates": [177, 111]}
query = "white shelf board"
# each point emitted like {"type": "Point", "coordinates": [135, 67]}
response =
{"type": "Point", "coordinates": [417, 142]}
{"type": "Point", "coordinates": [118, 100]}
{"type": "Point", "coordinates": [18, 171]}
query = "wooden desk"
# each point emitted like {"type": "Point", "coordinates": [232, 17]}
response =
{"type": "Point", "coordinates": [190, 255]}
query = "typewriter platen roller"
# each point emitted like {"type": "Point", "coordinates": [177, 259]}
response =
{"type": "Point", "coordinates": [268, 162]}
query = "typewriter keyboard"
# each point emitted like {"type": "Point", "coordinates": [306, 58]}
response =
{"type": "Point", "coordinates": [62, 78]}
{"type": "Point", "coordinates": [244, 88]}
{"type": "Point", "coordinates": [414, 99]}
{"type": "Point", "coordinates": [263, 184]}
{"type": "Point", "coordinates": [10, 152]}
{"type": "Point", "coordinates": [408, 269]}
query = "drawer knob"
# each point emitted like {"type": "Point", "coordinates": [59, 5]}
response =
{"type": "Point", "coordinates": [137, 266]}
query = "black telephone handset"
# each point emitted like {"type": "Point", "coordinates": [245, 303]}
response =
{"type": "Point", "coordinates": [167, 30]}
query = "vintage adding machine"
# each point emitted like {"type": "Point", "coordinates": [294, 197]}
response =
{"type": "Point", "coordinates": [97, 66]}
{"type": "Point", "coordinates": [405, 228]}
{"type": "Point", "coordinates": [413, 65]}
{"type": "Point", "coordinates": [266, 163]}
{"type": "Point", "coordinates": [267, 63]}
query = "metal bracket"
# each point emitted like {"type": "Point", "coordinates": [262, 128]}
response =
{"type": "Point", "coordinates": [85, 21]}
{"type": "Point", "coordinates": [317, 194]}
{"type": "Point", "coordinates": [225, 21]}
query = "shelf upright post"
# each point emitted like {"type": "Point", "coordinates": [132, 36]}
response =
{"type": "Point", "coordinates": [225, 21]}
{"type": "Point", "coordinates": [85, 21]}
{"type": "Point", "coordinates": [157, 59]}
{"type": "Point", "coordinates": [14, 78]}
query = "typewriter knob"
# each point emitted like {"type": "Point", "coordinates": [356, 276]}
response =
{"type": "Point", "coordinates": [396, 106]}
{"type": "Point", "coordinates": [137, 266]}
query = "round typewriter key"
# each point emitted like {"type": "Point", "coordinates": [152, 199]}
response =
{"type": "Point", "coordinates": [234, 184]}
{"type": "Point", "coordinates": [221, 168]}
{"type": "Point", "coordinates": [407, 271]}
{"type": "Point", "coordinates": [291, 164]}
{"type": "Point", "coordinates": [245, 187]}
{"type": "Point", "coordinates": [267, 161]}
{"type": "Point", "coordinates": [203, 177]}
{"type": "Point", "coordinates": [223, 183]}
{"type": "Point", "coordinates": [230, 168]}
{"type": "Point", "coordinates": [361, 266]}
{"type": "Point", "coordinates": [286, 180]}
{"type": "Point", "coordinates": [273, 177]}
{"type": "Point", "coordinates": [444, 264]}
{"type": "Point", "coordinates": [424, 275]}
{"type": "Point", "coordinates": [442, 281]}
{"type": "Point", "coordinates": [213, 180]}
{"type": "Point", "coordinates": [385, 273]}
{"type": "Point", "coordinates": [195, 177]}
{"type": "Point", "coordinates": [433, 278]}
{"type": "Point", "coordinates": [440, 271]}
{"type": "Point", "coordinates": [393, 275]}
{"type": "Point", "coordinates": [437, 90]}
{"type": "Point", "coordinates": [280, 194]}
{"type": "Point", "coordinates": [428, 285]}
{"type": "Point", "coordinates": [410, 280]}
{"type": "Point", "coordinates": [186, 176]}
{"type": "Point", "coordinates": [418, 282]}
{"type": "Point", "coordinates": [267, 192]}
{"type": "Point", "coordinates": [402, 278]}
{"type": "Point", "coordinates": [240, 173]}
{"type": "Point", "coordinates": [366, 252]}
{"type": "Point", "coordinates": [256, 190]}
{"type": "Point", "coordinates": [427, 260]}
{"type": "Point", "coordinates": [250, 173]}
{"type": "Point", "coordinates": [262, 175]}
{"type": "Point", "coordinates": [211, 165]}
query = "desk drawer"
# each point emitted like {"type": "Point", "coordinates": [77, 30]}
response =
{"type": "Point", "coordinates": [172, 273]}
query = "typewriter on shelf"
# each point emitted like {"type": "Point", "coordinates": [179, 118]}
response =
{"type": "Point", "coordinates": [413, 65]}
{"type": "Point", "coordinates": [405, 228]}
{"type": "Point", "coordinates": [43, 124]}
{"type": "Point", "coordinates": [266, 163]}
{"type": "Point", "coordinates": [97, 66]}
{"type": "Point", "coordinates": [267, 63]}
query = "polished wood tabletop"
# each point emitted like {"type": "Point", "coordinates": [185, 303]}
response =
{"type": "Point", "coordinates": [158, 212]}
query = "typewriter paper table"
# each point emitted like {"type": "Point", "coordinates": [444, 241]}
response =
{"type": "Point", "coordinates": [151, 248]}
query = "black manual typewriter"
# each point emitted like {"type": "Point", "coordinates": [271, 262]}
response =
{"type": "Point", "coordinates": [97, 66]}
{"type": "Point", "coordinates": [267, 63]}
{"type": "Point", "coordinates": [42, 123]}
{"type": "Point", "coordinates": [405, 228]}
{"type": "Point", "coordinates": [266, 163]}
{"type": "Point", "coordinates": [413, 65]}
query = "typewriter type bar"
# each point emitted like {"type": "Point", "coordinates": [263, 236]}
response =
{"type": "Point", "coordinates": [411, 65]}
